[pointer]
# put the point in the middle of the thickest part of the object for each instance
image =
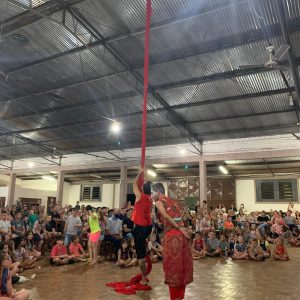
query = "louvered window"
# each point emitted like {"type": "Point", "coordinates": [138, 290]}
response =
{"type": "Point", "coordinates": [281, 190]}
{"type": "Point", "coordinates": [90, 193]}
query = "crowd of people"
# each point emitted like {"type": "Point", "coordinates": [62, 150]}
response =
{"type": "Point", "coordinates": [76, 234]}
{"type": "Point", "coordinates": [234, 234]}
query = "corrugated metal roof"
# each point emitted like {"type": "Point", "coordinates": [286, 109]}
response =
{"type": "Point", "coordinates": [51, 93]}
{"type": "Point", "coordinates": [224, 88]}
{"type": "Point", "coordinates": [274, 103]}
{"type": "Point", "coordinates": [58, 39]}
{"type": "Point", "coordinates": [9, 10]}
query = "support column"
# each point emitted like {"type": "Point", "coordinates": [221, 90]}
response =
{"type": "Point", "coordinates": [11, 189]}
{"type": "Point", "coordinates": [123, 188]}
{"type": "Point", "coordinates": [202, 181]}
{"type": "Point", "coordinates": [60, 187]}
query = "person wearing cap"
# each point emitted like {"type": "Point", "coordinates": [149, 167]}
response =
{"type": "Point", "coordinates": [94, 235]}
{"type": "Point", "coordinates": [141, 217]}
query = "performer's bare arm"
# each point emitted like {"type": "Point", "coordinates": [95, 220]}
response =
{"type": "Point", "coordinates": [136, 190]}
{"type": "Point", "coordinates": [164, 214]}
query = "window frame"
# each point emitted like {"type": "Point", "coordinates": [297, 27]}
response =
{"type": "Point", "coordinates": [91, 186]}
{"type": "Point", "coordinates": [276, 199]}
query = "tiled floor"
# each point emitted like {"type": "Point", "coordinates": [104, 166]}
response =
{"type": "Point", "coordinates": [213, 279]}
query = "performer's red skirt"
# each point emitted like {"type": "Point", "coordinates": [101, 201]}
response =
{"type": "Point", "coordinates": [177, 263]}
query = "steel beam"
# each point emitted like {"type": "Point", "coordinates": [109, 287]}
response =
{"type": "Point", "coordinates": [166, 160]}
{"type": "Point", "coordinates": [180, 106]}
{"type": "Point", "coordinates": [173, 118]}
{"type": "Point", "coordinates": [291, 57]}
{"type": "Point", "coordinates": [170, 141]}
{"type": "Point", "coordinates": [33, 15]}
{"type": "Point", "coordinates": [105, 132]}
{"type": "Point", "coordinates": [121, 97]}
{"type": "Point", "coordinates": [177, 84]}
{"type": "Point", "coordinates": [215, 77]}
{"type": "Point", "coordinates": [129, 34]}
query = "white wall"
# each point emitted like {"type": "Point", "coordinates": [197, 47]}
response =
{"type": "Point", "coordinates": [32, 193]}
{"type": "Point", "coordinates": [46, 185]}
{"type": "Point", "coordinates": [110, 195]}
{"type": "Point", "coordinates": [42, 189]}
{"type": "Point", "coordinates": [117, 195]}
{"type": "Point", "coordinates": [4, 192]}
{"type": "Point", "coordinates": [246, 194]}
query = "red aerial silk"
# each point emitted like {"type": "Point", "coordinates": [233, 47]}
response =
{"type": "Point", "coordinates": [130, 287]}
{"type": "Point", "coordinates": [146, 86]}
{"type": "Point", "coordinates": [134, 284]}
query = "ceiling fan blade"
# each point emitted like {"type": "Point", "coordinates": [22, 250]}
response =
{"type": "Point", "coordinates": [283, 49]}
{"type": "Point", "coordinates": [249, 67]}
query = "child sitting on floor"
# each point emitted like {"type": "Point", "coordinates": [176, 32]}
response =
{"type": "Point", "coordinates": [264, 244]}
{"type": "Point", "coordinates": [58, 255]}
{"type": "Point", "coordinates": [223, 245]}
{"type": "Point", "coordinates": [7, 291]}
{"type": "Point", "coordinates": [280, 252]}
{"type": "Point", "coordinates": [255, 251]}
{"type": "Point", "coordinates": [233, 240]}
{"type": "Point", "coordinates": [76, 251]}
{"type": "Point", "coordinates": [253, 231]}
{"type": "Point", "coordinates": [220, 222]}
{"type": "Point", "coordinates": [228, 225]}
{"type": "Point", "coordinates": [124, 259]}
{"type": "Point", "coordinates": [198, 246]}
{"type": "Point", "coordinates": [132, 251]}
{"type": "Point", "coordinates": [155, 248]}
{"type": "Point", "coordinates": [5, 248]}
{"type": "Point", "coordinates": [240, 249]}
{"type": "Point", "coordinates": [21, 255]}
{"type": "Point", "coordinates": [295, 240]}
{"type": "Point", "coordinates": [31, 247]}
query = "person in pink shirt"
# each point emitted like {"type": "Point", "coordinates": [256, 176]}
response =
{"type": "Point", "coordinates": [59, 255]}
{"type": "Point", "coordinates": [76, 251]}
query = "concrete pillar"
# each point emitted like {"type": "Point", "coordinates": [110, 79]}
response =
{"type": "Point", "coordinates": [202, 181]}
{"type": "Point", "coordinates": [60, 187]}
{"type": "Point", "coordinates": [11, 189]}
{"type": "Point", "coordinates": [123, 188]}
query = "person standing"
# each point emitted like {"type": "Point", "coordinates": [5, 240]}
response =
{"type": "Point", "coordinates": [94, 235]}
{"type": "Point", "coordinates": [141, 217]}
{"type": "Point", "coordinates": [72, 226]}
{"type": "Point", "coordinates": [177, 252]}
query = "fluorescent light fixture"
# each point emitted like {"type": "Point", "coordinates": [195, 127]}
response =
{"type": "Point", "coordinates": [223, 170]}
{"type": "Point", "coordinates": [115, 127]}
{"type": "Point", "coordinates": [291, 100]}
{"type": "Point", "coordinates": [47, 177]}
{"type": "Point", "coordinates": [151, 173]}
{"type": "Point", "coordinates": [182, 151]}
{"type": "Point", "coordinates": [31, 164]}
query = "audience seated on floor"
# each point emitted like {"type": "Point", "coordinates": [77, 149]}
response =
{"type": "Point", "coordinates": [61, 233]}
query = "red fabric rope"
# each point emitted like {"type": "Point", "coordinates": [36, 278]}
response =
{"type": "Point", "coordinates": [146, 85]}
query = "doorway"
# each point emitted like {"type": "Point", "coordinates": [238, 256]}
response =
{"type": "Point", "coordinates": [51, 202]}
{"type": "Point", "coordinates": [2, 202]}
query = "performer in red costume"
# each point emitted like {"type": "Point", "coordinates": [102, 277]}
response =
{"type": "Point", "coordinates": [142, 222]}
{"type": "Point", "coordinates": [177, 261]}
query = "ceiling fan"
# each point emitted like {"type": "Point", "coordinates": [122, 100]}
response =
{"type": "Point", "coordinates": [56, 155]}
{"type": "Point", "coordinates": [274, 59]}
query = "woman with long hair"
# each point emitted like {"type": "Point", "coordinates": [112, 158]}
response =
{"type": "Point", "coordinates": [6, 289]}
{"type": "Point", "coordinates": [94, 234]}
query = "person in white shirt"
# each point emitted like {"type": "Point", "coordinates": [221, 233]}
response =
{"type": "Point", "coordinates": [292, 208]}
{"type": "Point", "coordinates": [5, 226]}
{"type": "Point", "coordinates": [72, 226]}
